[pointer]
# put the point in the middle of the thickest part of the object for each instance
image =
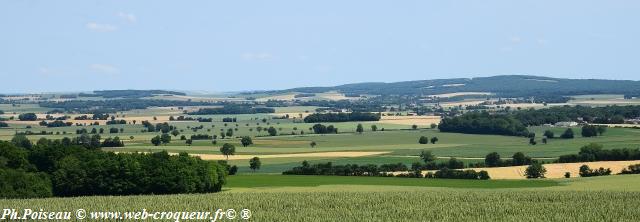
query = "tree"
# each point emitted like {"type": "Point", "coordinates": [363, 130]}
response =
{"type": "Point", "coordinates": [434, 140]}
{"type": "Point", "coordinates": [374, 128]}
{"type": "Point", "coordinates": [519, 159]}
{"type": "Point", "coordinates": [568, 134]}
{"type": "Point", "coordinates": [532, 141]}
{"type": "Point", "coordinates": [427, 156]}
{"type": "Point", "coordinates": [589, 131]}
{"type": "Point", "coordinates": [313, 144]}
{"type": "Point", "coordinates": [254, 163]}
{"type": "Point", "coordinates": [567, 175]}
{"type": "Point", "coordinates": [549, 134]}
{"type": "Point", "coordinates": [246, 141]}
{"type": "Point", "coordinates": [189, 142]}
{"type": "Point", "coordinates": [21, 141]}
{"type": "Point", "coordinates": [601, 130]}
{"type": "Point", "coordinates": [414, 127]}
{"type": "Point", "coordinates": [156, 140]}
{"type": "Point", "coordinates": [175, 132]}
{"type": "Point", "coordinates": [423, 140]}
{"type": "Point", "coordinates": [359, 128]}
{"type": "Point", "coordinates": [229, 132]}
{"type": "Point", "coordinates": [165, 138]}
{"type": "Point", "coordinates": [28, 117]}
{"type": "Point", "coordinates": [492, 160]}
{"type": "Point", "coordinates": [227, 150]}
{"type": "Point", "coordinates": [272, 131]}
{"type": "Point", "coordinates": [535, 170]}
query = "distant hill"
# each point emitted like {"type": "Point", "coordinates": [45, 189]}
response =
{"type": "Point", "coordinates": [506, 85]}
{"type": "Point", "coordinates": [129, 93]}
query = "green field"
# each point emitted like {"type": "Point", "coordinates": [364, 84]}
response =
{"type": "Point", "coordinates": [272, 196]}
{"type": "Point", "coordinates": [404, 199]}
{"type": "Point", "coordinates": [398, 141]}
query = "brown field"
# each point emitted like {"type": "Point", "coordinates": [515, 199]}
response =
{"type": "Point", "coordinates": [556, 170]}
{"type": "Point", "coordinates": [410, 120]}
{"type": "Point", "coordinates": [292, 155]}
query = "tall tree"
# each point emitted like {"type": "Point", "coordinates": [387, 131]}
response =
{"type": "Point", "coordinates": [434, 140]}
{"type": "Point", "coordinates": [492, 160]}
{"type": "Point", "coordinates": [255, 163]}
{"type": "Point", "coordinates": [227, 150]}
{"type": "Point", "coordinates": [246, 141]}
{"type": "Point", "coordinates": [568, 134]}
{"type": "Point", "coordinates": [165, 138]}
{"type": "Point", "coordinates": [156, 140]}
{"type": "Point", "coordinates": [359, 128]}
{"type": "Point", "coordinates": [423, 140]}
{"type": "Point", "coordinates": [535, 170]}
{"type": "Point", "coordinates": [427, 156]}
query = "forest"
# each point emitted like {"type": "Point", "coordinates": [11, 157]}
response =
{"type": "Point", "coordinates": [59, 168]}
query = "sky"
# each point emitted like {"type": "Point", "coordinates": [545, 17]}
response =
{"type": "Point", "coordinates": [217, 46]}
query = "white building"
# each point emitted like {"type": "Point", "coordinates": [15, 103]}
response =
{"type": "Point", "coordinates": [566, 124]}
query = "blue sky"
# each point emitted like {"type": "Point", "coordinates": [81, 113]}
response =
{"type": "Point", "coordinates": [245, 45]}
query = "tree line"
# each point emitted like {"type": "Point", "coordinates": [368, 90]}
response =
{"type": "Point", "coordinates": [233, 109]}
{"type": "Point", "coordinates": [599, 115]}
{"type": "Point", "coordinates": [484, 123]}
{"type": "Point", "coordinates": [341, 117]}
{"type": "Point", "coordinates": [595, 152]}
{"type": "Point", "coordinates": [57, 168]}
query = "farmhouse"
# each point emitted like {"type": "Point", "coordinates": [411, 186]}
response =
{"type": "Point", "coordinates": [566, 124]}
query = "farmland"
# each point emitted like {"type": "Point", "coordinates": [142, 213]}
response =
{"type": "Point", "coordinates": [391, 140]}
{"type": "Point", "coordinates": [392, 201]}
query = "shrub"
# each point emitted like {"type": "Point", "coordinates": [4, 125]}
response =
{"type": "Point", "coordinates": [585, 171]}
{"type": "Point", "coordinates": [446, 173]}
{"type": "Point", "coordinates": [632, 169]}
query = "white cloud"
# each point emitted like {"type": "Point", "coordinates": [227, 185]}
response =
{"type": "Point", "coordinates": [257, 56]}
{"type": "Point", "coordinates": [542, 42]}
{"type": "Point", "coordinates": [129, 17]}
{"type": "Point", "coordinates": [516, 39]}
{"type": "Point", "coordinates": [101, 27]}
{"type": "Point", "coordinates": [44, 70]}
{"type": "Point", "coordinates": [104, 68]}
